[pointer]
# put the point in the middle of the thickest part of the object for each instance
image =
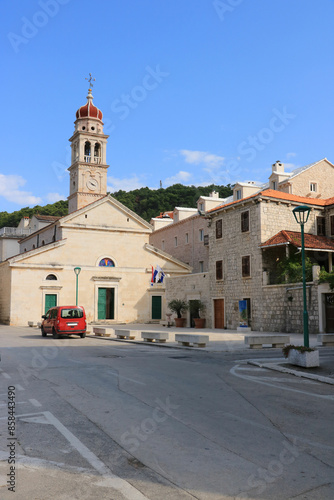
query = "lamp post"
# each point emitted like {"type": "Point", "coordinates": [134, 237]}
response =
{"type": "Point", "coordinates": [301, 215]}
{"type": "Point", "coordinates": [76, 272]}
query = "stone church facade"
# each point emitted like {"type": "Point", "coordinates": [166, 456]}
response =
{"type": "Point", "coordinates": [106, 240]}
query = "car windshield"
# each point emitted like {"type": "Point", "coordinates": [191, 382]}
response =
{"type": "Point", "coordinates": [71, 313]}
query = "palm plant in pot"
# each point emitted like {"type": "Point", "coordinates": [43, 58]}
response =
{"type": "Point", "coordinates": [197, 307]}
{"type": "Point", "coordinates": [178, 306]}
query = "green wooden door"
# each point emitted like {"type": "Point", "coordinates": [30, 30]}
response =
{"type": "Point", "coordinates": [101, 303]}
{"type": "Point", "coordinates": [156, 307]}
{"type": "Point", "coordinates": [50, 301]}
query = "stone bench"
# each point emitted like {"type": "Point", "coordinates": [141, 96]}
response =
{"type": "Point", "coordinates": [32, 324]}
{"type": "Point", "coordinates": [101, 332]}
{"type": "Point", "coordinates": [187, 339]}
{"type": "Point", "coordinates": [256, 342]}
{"type": "Point", "coordinates": [125, 334]}
{"type": "Point", "coordinates": [326, 338]}
{"type": "Point", "coordinates": [154, 336]}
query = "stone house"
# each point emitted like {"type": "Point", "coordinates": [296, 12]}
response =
{"type": "Point", "coordinates": [184, 234]}
{"type": "Point", "coordinates": [247, 240]}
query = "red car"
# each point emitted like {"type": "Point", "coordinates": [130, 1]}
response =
{"type": "Point", "coordinates": [64, 320]}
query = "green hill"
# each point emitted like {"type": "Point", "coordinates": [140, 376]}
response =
{"type": "Point", "coordinates": [145, 202]}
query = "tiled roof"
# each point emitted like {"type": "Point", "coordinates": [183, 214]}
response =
{"type": "Point", "coordinates": [46, 218]}
{"type": "Point", "coordinates": [279, 195]}
{"type": "Point", "coordinates": [311, 241]}
{"type": "Point", "coordinates": [164, 215]}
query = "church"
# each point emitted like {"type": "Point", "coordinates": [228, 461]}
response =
{"type": "Point", "coordinates": [99, 254]}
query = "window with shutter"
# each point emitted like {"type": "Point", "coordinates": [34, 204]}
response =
{"type": "Point", "coordinates": [245, 221]}
{"type": "Point", "coordinates": [246, 266]}
{"type": "Point", "coordinates": [219, 229]}
{"type": "Point", "coordinates": [219, 270]}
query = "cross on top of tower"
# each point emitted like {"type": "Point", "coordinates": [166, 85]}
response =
{"type": "Point", "coordinates": [90, 80]}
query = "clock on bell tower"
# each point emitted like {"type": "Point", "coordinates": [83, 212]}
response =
{"type": "Point", "coordinates": [88, 170]}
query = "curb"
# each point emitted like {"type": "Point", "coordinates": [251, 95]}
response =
{"type": "Point", "coordinates": [282, 369]}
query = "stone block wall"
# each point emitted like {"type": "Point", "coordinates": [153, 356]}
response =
{"type": "Point", "coordinates": [192, 251]}
{"type": "Point", "coordinates": [282, 309]}
{"type": "Point", "coordinates": [191, 287]}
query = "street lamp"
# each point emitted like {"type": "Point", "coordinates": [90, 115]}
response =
{"type": "Point", "coordinates": [76, 272]}
{"type": "Point", "coordinates": [301, 215]}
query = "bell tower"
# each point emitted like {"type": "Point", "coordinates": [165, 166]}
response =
{"type": "Point", "coordinates": [88, 170]}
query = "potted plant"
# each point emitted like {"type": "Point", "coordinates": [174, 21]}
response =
{"type": "Point", "coordinates": [299, 355]}
{"type": "Point", "coordinates": [178, 306]}
{"type": "Point", "coordinates": [197, 307]}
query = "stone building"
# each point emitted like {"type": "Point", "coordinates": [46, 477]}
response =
{"type": "Point", "coordinates": [247, 240]}
{"type": "Point", "coordinates": [184, 234]}
{"type": "Point", "coordinates": [106, 240]}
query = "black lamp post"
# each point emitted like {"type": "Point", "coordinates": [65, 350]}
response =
{"type": "Point", "coordinates": [76, 272]}
{"type": "Point", "coordinates": [301, 215]}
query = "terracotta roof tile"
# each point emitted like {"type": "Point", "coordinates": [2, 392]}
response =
{"type": "Point", "coordinates": [312, 241]}
{"type": "Point", "coordinates": [271, 193]}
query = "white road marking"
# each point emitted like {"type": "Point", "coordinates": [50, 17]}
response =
{"type": "Point", "coordinates": [19, 387]}
{"type": "Point", "coordinates": [114, 481]}
{"type": "Point", "coordinates": [281, 387]}
{"type": "Point", "coordinates": [110, 480]}
{"type": "Point", "coordinates": [34, 402]}
{"type": "Point", "coordinates": [6, 375]}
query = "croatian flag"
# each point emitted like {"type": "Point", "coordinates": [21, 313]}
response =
{"type": "Point", "coordinates": [157, 275]}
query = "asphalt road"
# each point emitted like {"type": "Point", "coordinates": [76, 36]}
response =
{"type": "Point", "coordinates": [96, 419]}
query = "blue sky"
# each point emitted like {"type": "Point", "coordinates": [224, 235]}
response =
{"type": "Point", "coordinates": [192, 91]}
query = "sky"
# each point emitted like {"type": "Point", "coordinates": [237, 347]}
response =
{"type": "Point", "coordinates": [192, 91]}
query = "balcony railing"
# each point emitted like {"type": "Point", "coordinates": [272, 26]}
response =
{"type": "Point", "coordinates": [96, 159]}
{"type": "Point", "coordinates": [14, 231]}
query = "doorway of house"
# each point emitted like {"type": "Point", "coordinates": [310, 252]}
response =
{"type": "Point", "coordinates": [156, 306]}
{"type": "Point", "coordinates": [329, 301]}
{"type": "Point", "coordinates": [219, 313]}
{"type": "Point", "coordinates": [50, 301]}
{"type": "Point", "coordinates": [106, 303]}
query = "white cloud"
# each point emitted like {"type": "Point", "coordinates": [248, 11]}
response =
{"type": "Point", "coordinates": [129, 184]}
{"type": "Point", "coordinates": [53, 197]}
{"type": "Point", "coordinates": [180, 178]}
{"type": "Point", "coordinates": [291, 155]}
{"type": "Point", "coordinates": [202, 158]}
{"type": "Point", "coordinates": [10, 190]}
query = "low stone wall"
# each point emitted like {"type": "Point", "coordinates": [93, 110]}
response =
{"type": "Point", "coordinates": [191, 287]}
{"type": "Point", "coordinates": [282, 309]}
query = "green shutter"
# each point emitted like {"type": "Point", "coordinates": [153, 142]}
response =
{"type": "Point", "coordinates": [101, 304]}
{"type": "Point", "coordinates": [156, 307]}
{"type": "Point", "coordinates": [50, 301]}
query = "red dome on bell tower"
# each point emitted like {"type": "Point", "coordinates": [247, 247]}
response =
{"type": "Point", "coordinates": [89, 110]}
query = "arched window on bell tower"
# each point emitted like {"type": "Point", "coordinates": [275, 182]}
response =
{"type": "Point", "coordinates": [97, 153]}
{"type": "Point", "coordinates": [87, 152]}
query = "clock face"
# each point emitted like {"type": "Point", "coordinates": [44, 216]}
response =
{"type": "Point", "coordinates": [92, 184]}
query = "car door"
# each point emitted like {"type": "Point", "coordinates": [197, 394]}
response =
{"type": "Point", "coordinates": [47, 322]}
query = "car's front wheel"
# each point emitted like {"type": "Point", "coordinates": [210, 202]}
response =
{"type": "Point", "coordinates": [43, 332]}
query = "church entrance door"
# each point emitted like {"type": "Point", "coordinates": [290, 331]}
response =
{"type": "Point", "coordinates": [50, 301]}
{"type": "Point", "coordinates": [106, 303]}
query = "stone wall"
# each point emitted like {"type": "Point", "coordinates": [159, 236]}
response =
{"type": "Point", "coordinates": [191, 287]}
{"type": "Point", "coordinates": [189, 248]}
{"type": "Point", "coordinates": [282, 309]}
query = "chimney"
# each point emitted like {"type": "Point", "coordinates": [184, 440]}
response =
{"type": "Point", "coordinates": [214, 194]}
{"type": "Point", "coordinates": [278, 167]}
